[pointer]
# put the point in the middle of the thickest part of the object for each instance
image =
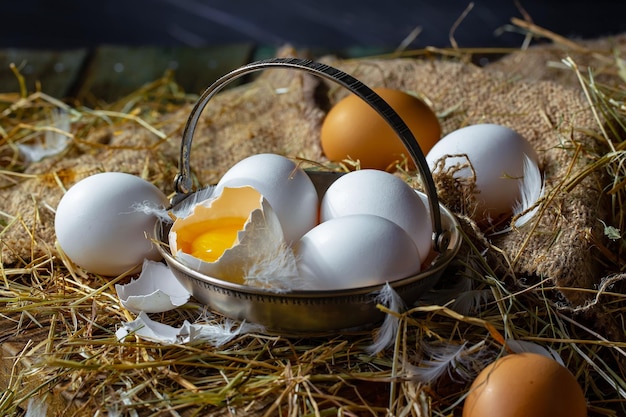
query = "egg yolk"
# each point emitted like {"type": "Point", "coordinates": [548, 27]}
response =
{"type": "Point", "coordinates": [210, 244]}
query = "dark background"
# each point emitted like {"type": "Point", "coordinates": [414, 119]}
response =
{"type": "Point", "coordinates": [329, 24]}
{"type": "Point", "coordinates": [100, 51]}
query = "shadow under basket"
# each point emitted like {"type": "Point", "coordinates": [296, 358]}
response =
{"type": "Point", "coordinates": [305, 312]}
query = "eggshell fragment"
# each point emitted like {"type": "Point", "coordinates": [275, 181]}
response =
{"type": "Point", "coordinates": [99, 224]}
{"type": "Point", "coordinates": [370, 191]}
{"type": "Point", "coordinates": [497, 155]}
{"type": "Point", "coordinates": [356, 251]}
{"type": "Point", "coordinates": [525, 384]}
{"type": "Point", "coordinates": [287, 188]}
{"type": "Point", "coordinates": [154, 331]}
{"type": "Point", "coordinates": [261, 236]}
{"type": "Point", "coordinates": [216, 334]}
{"type": "Point", "coordinates": [155, 290]}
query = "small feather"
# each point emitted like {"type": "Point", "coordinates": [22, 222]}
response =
{"type": "Point", "coordinates": [460, 297]}
{"type": "Point", "coordinates": [215, 334]}
{"type": "Point", "coordinates": [386, 335]}
{"type": "Point", "coordinates": [455, 360]}
{"type": "Point", "coordinates": [153, 209]}
{"type": "Point", "coordinates": [276, 271]}
{"type": "Point", "coordinates": [444, 358]}
{"type": "Point", "coordinates": [531, 190]}
{"type": "Point", "coordinates": [519, 346]}
{"type": "Point", "coordinates": [37, 407]}
{"type": "Point", "coordinates": [220, 334]}
{"type": "Point", "coordinates": [470, 301]}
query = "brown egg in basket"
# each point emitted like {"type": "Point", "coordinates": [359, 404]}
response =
{"type": "Point", "coordinates": [308, 312]}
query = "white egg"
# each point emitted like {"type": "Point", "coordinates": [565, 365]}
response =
{"type": "Point", "coordinates": [356, 251]}
{"type": "Point", "coordinates": [288, 189]}
{"type": "Point", "coordinates": [381, 193]}
{"type": "Point", "coordinates": [99, 227]}
{"type": "Point", "coordinates": [497, 155]}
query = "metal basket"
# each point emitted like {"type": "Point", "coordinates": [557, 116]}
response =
{"type": "Point", "coordinates": [311, 312]}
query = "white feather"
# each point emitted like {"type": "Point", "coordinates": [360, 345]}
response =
{"type": "Point", "coordinates": [531, 190]}
{"type": "Point", "coordinates": [386, 335]}
{"type": "Point", "coordinates": [443, 359]}
{"type": "Point", "coordinates": [460, 297]}
{"type": "Point", "coordinates": [470, 301]}
{"type": "Point", "coordinates": [221, 333]}
{"type": "Point", "coordinates": [182, 209]}
{"type": "Point", "coordinates": [37, 407]}
{"type": "Point", "coordinates": [216, 334]}
{"type": "Point", "coordinates": [152, 208]}
{"type": "Point", "coordinates": [453, 359]}
{"type": "Point", "coordinates": [519, 346]}
{"type": "Point", "coordinates": [277, 271]}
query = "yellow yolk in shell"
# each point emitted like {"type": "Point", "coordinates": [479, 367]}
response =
{"type": "Point", "coordinates": [211, 240]}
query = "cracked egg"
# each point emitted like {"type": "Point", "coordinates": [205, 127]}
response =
{"type": "Point", "coordinates": [236, 237]}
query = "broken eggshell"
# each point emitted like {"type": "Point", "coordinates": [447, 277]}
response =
{"type": "Point", "coordinates": [259, 255]}
{"type": "Point", "coordinates": [155, 290]}
{"type": "Point", "coordinates": [216, 334]}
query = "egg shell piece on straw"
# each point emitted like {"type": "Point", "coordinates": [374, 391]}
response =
{"type": "Point", "coordinates": [370, 191]}
{"type": "Point", "coordinates": [99, 224]}
{"type": "Point", "coordinates": [218, 334]}
{"type": "Point", "coordinates": [260, 238]}
{"type": "Point", "coordinates": [356, 251]}
{"type": "Point", "coordinates": [285, 185]}
{"type": "Point", "coordinates": [156, 290]}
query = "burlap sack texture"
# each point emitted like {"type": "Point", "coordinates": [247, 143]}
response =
{"type": "Point", "coordinates": [281, 112]}
{"type": "Point", "coordinates": [544, 62]}
{"type": "Point", "coordinates": [555, 119]}
{"type": "Point", "coordinates": [276, 113]}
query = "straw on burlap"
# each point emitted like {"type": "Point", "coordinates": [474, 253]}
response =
{"type": "Point", "coordinates": [276, 113]}
{"type": "Point", "coordinates": [544, 62]}
{"type": "Point", "coordinates": [281, 112]}
{"type": "Point", "coordinates": [555, 119]}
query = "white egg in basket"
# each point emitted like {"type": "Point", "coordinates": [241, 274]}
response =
{"type": "Point", "coordinates": [286, 187]}
{"type": "Point", "coordinates": [371, 191]}
{"type": "Point", "coordinates": [356, 250]}
{"type": "Point", "coordinates": [329, 308]}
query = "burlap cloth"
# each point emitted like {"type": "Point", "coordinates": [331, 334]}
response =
{"type": "Point", "coordinates": [281, 111]}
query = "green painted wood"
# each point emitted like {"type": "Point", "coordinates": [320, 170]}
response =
{"type": "Point", "coordinates": [113, 72]}
{"type": "Point", "coordinates": [55, 71]}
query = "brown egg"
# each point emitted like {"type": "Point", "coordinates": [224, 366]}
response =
{"type": "Point", "coordinates": [524, 385]}
{"type": "Point", "coordinates": [352, 129]}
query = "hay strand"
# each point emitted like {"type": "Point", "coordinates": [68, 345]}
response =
{"type": "Point", "coordinates": [59, 323]}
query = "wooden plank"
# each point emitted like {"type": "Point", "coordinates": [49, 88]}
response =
{"type": "Point", "coordinates": [110, 72]}
{"type": "Point", "coordinates": [56, 71]}
{"type": "Point", "coordinates": [114, 72]}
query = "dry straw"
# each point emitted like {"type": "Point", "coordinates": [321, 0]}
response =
{"type": "Point", "coordinates": [60, 351]}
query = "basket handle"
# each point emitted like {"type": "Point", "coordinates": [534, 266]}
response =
{"type": "Point", "coordinates": [183, 183]}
